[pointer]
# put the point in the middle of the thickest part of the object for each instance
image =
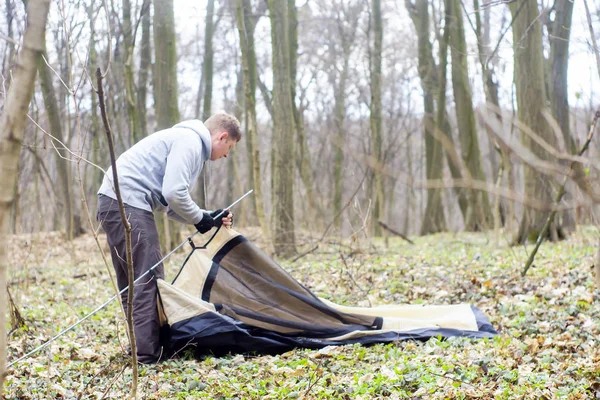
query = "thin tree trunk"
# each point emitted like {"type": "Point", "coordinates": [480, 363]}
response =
{"type": "Point", "coordinates": [283, 133]}
{"type": "Point", "coordinates": [207, 77]}
{"type": "Point", "coordinates": [96, 174]}
{"type": "Point", "coordinates": [376, 119]}
{"type": "Point", "coordinates": [433, 218]}
{"type": "Point", "coordinates": [531, 101]}
{"type": "Point", "coordinates": [480, 212]}
{"type": "Point", "coordinates": [62, 165]}
{"type": "Point", "coordinates": [560, 31]}
{"type": "Point", "coordinates": [303, 159]}
{"type": "Point", "coordinates": [130, 89]}
{"type": "Point", "coordinates": [165, 87]}
{"type": "Point", "coordinates": [246, 32]}
{"type": "Point", "coordinates": [232, 171]}
{"type": "Point", "coordinates": [128, 248]}
{"type": "Point", "coordinates": [207, 69]}
{"type": "Point", "coordinates": [12, 122]}
{"type": "Point", "coordinates": [347, 40]}
{"type": "Point", "coordinates": [491, 97]}
{"type": "Point", "coordinates": [145, 59]}
{"type": "Point", "coordinates": [10, 15]}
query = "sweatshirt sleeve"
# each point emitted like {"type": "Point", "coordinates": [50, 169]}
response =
{"type": "Point", "coordinates": [182, 162]}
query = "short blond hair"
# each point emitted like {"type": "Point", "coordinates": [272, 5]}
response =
{"type": "Point", "coordinates": [223, 121]}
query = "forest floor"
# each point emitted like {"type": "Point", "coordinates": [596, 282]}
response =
{"type": "Point", "coordinates": [547, 347]}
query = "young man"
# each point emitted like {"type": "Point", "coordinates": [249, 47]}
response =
{"type": "Point", "coordinates": [155, 175]}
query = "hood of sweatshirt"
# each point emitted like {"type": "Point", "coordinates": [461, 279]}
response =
{"type": "Point", "coordinates": [204, 134]}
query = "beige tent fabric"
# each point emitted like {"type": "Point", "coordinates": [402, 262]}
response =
{"type": "Point", "coordinates": [248, 281]}
{"type": "Point", "coordinates": [179, 305]}
{"type": "Point", "coordinates": [416, 316]}
{"type": "Point", "coordinates": [191, 278]}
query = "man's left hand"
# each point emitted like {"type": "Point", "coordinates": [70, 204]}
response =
{"type": "Point", "coordinates": [228, 219]}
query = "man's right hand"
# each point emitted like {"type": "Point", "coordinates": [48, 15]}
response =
{"type": "Point", "coordinates": [208, 221]}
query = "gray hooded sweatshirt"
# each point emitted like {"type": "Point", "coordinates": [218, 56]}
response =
{"type": "Point", "coordinates": [156, 173]}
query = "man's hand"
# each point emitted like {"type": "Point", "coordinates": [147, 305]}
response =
{"type": "Point", "coordinates": [210, 221]}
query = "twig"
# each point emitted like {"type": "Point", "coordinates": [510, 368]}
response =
{"type": "Point", "coordinates": [493, 53]}
{"type": "Point", "coordinates": [92, 380]}
{"type": "Point", "coordinates": [347, 270]}
{"type": "Point", "coordinates": [127, 227]}
{"type": "Point", "coordinates": [312, 384]}
{"type": "Point", "coordinates": [9, 39]}
{"type": "Point", "coordinates": [113, 382]}
{"type": "Point", "coordinates": [387, 228]}
{"type": "Point", "coordinates": [592, 34]}
{"type": "Point", "coordinates": [65, 147]}
{"type": "Point", "coordinates": [17, 320]}
{"type": "Point", "coordinates": [561, 193]}
{"type": "Point", "coordinates": [333, 220]}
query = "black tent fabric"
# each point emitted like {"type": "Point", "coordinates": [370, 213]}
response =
{"type": "Point", "coordinates": [232, 298]}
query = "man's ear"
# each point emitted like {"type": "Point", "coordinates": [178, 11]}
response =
{"type": "Point", "coordinates": [223, 135]}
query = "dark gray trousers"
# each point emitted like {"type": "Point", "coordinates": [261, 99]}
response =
{"type": "Point", "coordinates": [146, 252]}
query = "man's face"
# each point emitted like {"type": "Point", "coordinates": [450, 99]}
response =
{"type": "Point", "coordinates": [221, 146]}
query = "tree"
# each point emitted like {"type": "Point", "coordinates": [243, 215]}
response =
{"type": "Point", "coordinates": [165, 86]}
{"type": "Point", "coordinates": [246, 25]}
{"type": "Point", "coordinates": [12, 124]}
{"type": "Point", "coordinates": [133, 115]}
{"type": "Point", "coordinates": [283, 132]}
{"type": "Point", "coordinates": [559, 31]}
{"type": "Point", "coordinates": [375, 116]}
{"type": "Point", "coordinates": [207, 81]}
{"type": "Point", "coordinates": [479, 214]}
{"type": "Point", "coordinates": [165, 65]}
{"type": "Point", "coordinates": [531, 102]}
{"type": "Point", "coordinates": [145, 59]}
{"type": "Point", "coordinates": [62, 163]}
{"type": "Point", "coordinates": [347, 35]}
{"type": "Point", "coordinates": [434, 220]}
{"type": "Point", "coordinates": [482, 33]}
{"type": "Point", "coordinates": [303, 159]}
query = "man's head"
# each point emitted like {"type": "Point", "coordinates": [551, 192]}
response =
{"type": "Point", "coordinates": [225, 132]}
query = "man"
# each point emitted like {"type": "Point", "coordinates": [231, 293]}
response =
{"type": "Point", "coordinates": [155, 175]}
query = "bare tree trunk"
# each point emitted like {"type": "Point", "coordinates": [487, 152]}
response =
{"type": "Point", "coordinates": [207, 77]}
{"type": "Point", "coordinates": [10, 15]}
{"type": "Point", "coordinates": [491, 97]}
{"type": "Point", "coordinates": [96, 174]}
{"type": "Point", "coordinates": [130, 89]}
{"type": "Point", "coordinates": [128, 248]}
{"type": "Point", "coordinates": [303, 159]}
{"type": "Point", "coordinates": [433, 218]}
{"type": "Point", "coordinates": [62, 165]}
{"type": "Point", "coordinates": [375, 119]}
{"type": "Point", "coordinates": [233, 188]}
{"type": "Point", "coordinates": [165, 88]}
{"type": "Point", "coordinates": [12, 123]}
{"type": "Point", "coordinates": [145, 59]}
{"type": "Point", "coordinates": [531, 101]}
{"type": "Point", "coordinates": [246, 27]}
{"type": "Point", "coordinates": [479, 217]}
{"type": "Point", "coordinates": [347, 39]}
{"type": "Point", "coordinates": [560, 30]}
{"type": "Point", "coordinates": [283, 133]}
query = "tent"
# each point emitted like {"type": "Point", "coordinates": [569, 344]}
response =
{"type": "Point", "coordinates": [230, 297]}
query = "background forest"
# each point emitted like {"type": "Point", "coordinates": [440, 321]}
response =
{"type": "Point", "coordinates": [363, 119]}
{"type": "Point", "coordinates": [410, 113]}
